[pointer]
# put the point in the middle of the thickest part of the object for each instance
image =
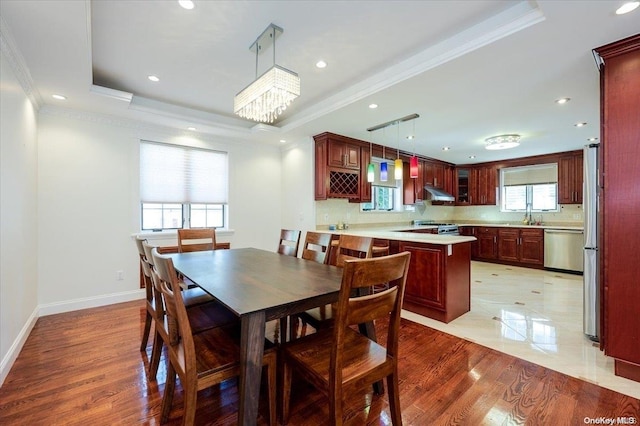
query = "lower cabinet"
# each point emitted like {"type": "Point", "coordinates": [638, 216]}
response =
{"type": "Point", "coordinates": [521, 246]}
{"type": "Point", "coordinates": [487, 243]}
{"type": "Point", "coordinates": [439, 278]}
{"type": "Point", "coordinates": [513, 246]}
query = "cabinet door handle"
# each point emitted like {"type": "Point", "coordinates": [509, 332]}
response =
{"type": "Point", "coordinates": [494, 240]}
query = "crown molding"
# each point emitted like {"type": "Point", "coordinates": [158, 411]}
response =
{"type": "Point", "coordinates": [141, 129]}
{"type": "Point", "coordinates": [17, 63]}
{"type": "Point", "coordinates": [515, 18]}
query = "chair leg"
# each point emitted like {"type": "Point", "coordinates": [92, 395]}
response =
{"type": "Point", "coordinates": [145, 333]}
{"type": "Point", "coordinates": [335, 407]}
{"type": "Point", "coordinates": [190, 401]}
{"type": "Point", "coordinates": [285, 382]}
{"type": "Point", "coordinates": [156, 352]}
{"type": "Point", "coordinates": [394, 399]}
{"type": "Point", "coordinates": [167, 398]}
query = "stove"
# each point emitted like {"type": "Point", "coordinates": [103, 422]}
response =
{"type": "Point", "coordinates": [443, 228]}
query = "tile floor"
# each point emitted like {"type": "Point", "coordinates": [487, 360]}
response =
{"type": "Point", "coordinates": [535, 315]}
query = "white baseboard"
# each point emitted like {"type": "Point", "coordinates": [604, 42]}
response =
{"type": "Point", "coordinates": [90, 302]}
{"type": "Point", "coordinates": [7, 362]}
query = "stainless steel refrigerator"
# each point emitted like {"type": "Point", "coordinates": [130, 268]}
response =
{"type": "Point", "coordinates": [591, 322]}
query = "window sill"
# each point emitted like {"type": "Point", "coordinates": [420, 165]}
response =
{"type": "Point", "coordinates": [163, 235]}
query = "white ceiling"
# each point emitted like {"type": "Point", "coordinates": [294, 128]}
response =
{"type": "Point", "coordinates": [470, 69]}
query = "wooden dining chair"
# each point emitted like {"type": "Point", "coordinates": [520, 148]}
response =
{"type": "Point", "coordinates": [203, 310]}
{"type": "Point", "coordinates": [316, 247]}
{"type": "Point", "coordinates": [340, 361]}
{"type": "Point", "coordinates": [204, 359]}
{"type": "Point", "coordinates": [200, 239]}
{"type": "Point", "coordinates": [349, 247]}
{"type": "Point", "coordinates": [289, 242]}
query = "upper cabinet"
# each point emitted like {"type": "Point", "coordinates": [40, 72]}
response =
{"type": "Point", "coordinates": [342, 153]}
{"type": "Point", "coordinates": [476, 185]}
{"type": "Point", "coordinates": [570, 178]}
{"type": "Point", "coordinates": [486, 178]}
{"type": "Point", "coordinates": [340, 171]}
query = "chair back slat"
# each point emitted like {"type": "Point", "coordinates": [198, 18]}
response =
{"type": "Point", "coordinates": [353, 247]}
{"type": "Point", "coordinates": [316, 247]}
{"type": "Point", "coordinates": [289, 242]}
{"type": "Point", "coordinates": [190, 240]}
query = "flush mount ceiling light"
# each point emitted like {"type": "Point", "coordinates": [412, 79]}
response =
{"type": "Point", "coordinates": [153, 78]}
{"type": "Point", "coordinates": [627, 7]}
{"type": "Point", "coordinates": [502, 142]}
{"type": "Point", "coordinates": [186, 4]}
{"type": "Point", "coordinates": [321, 64]}
{"type": "Point", "coordinates": [272, 92]}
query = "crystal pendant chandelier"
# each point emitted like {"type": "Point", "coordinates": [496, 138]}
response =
{"type": "Point", "coordinates": [271, 93]}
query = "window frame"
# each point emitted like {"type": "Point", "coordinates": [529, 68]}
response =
{"type": "Point", "coordinates": [528, 185]}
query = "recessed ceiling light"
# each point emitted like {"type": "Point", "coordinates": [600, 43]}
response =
{"type": "Point", "coordinates": [153, 78]}
{"type": "Point", "coordinates": [59, 97]}
{"type": "Point", "coordinates": [191, 128]}
{"type": "Point", "coordinates": [321, 64]}
{"type": "Point", "coordinates": [186, 4]}
{"type": "Point", "coordinates": [446, 148]}
{"type": "Point", "coordinates": [410, 137]}
{"type": "Point", "coordinates": [562, 100]}
{"type": "Point", "coordinates": [580, 124]}
{"type": "Point", "coordinates": [627, 7]}
{"type": "Point", "coordinates": [592, 139]}
{"type": "Point", "coordinates": [472, 156]}
{"type": "Point", "coordinates": [373, 106]}
{"type": "Point", "coordinates": [283, 140]}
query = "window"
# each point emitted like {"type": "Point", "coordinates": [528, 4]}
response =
{"type": "Point", "coordinates": [385, 196]}
{"type": "Point", "coordinates": [182, 187]}
{"type": "Point", "coordinates": [529, 188]}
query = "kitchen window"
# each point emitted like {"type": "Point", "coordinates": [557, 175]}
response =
{"type": "Point", "coordinates": [385, 195]}
{"type": "Point", "coordinates": [182, 187]}
{"type": "Point", "coordinates": [529, 188]}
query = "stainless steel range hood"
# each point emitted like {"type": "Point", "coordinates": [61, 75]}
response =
{"type": "Point", "coordinates": [438, 194]}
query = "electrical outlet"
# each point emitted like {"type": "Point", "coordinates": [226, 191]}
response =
{"type": "Point", "coordinates": [577, 216]}
{"type": "Point", "coordinates": [119, 275]}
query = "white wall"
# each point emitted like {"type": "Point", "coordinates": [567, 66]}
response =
{"type": "Point", "coordinates": [298, 205]}
{"type": "Point", "coordinates": [18, 209]}
{"type": "Point", "coordinates": [89, 204]}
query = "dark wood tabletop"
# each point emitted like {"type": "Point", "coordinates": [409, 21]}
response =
{"type": "Point", "coordinates": [258, 286]}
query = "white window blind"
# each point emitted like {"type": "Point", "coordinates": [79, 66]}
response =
{"type": "Point", "coordinates": [178, 174]}
{"type": "Point", "coordinates": [530, 175]}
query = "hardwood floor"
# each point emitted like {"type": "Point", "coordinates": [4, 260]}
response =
{"type": "Point", "coordinates": [84, 367]}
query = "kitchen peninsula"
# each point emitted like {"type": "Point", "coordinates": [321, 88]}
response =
{"type": "Point", "coordinates": [439, 279]}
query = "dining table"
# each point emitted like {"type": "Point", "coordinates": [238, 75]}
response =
{"type": "Point", "coordinates": [258, 286]}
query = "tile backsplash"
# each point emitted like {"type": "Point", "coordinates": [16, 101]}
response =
{"type": "Point", "coordinates": [334, 211]}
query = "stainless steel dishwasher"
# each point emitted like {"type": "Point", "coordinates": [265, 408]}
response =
{"type": "Point", "coordinates": [563, 249]}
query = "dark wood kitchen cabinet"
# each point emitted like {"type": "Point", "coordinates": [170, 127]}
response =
{"type": "Point", "coordinates": [570, 178]}
{"type": "Point", "coordinates": [434, 174]}
{"type": "Point", "coordinates": [484, 180]}
{"type": "Point", "coordinates": [487, 239]}
{"type": "Point", "coordinates": [620, 204]}
{"type": "Point", "coordinates": [438, 281]}
{"type": "Point", "coordinates": [339, 169]}
{"type": "Point", "coordinates": [524, 246]}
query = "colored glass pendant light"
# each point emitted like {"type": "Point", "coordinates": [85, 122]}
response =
{"type": "Point", "coordinates": [413, 167]}
{"type": "Point", "coordinates": [398, 162]}
{"type": "Point", "coordinates": [371, 170]}
{"type": "Point", "coordinates": [384, 173]}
